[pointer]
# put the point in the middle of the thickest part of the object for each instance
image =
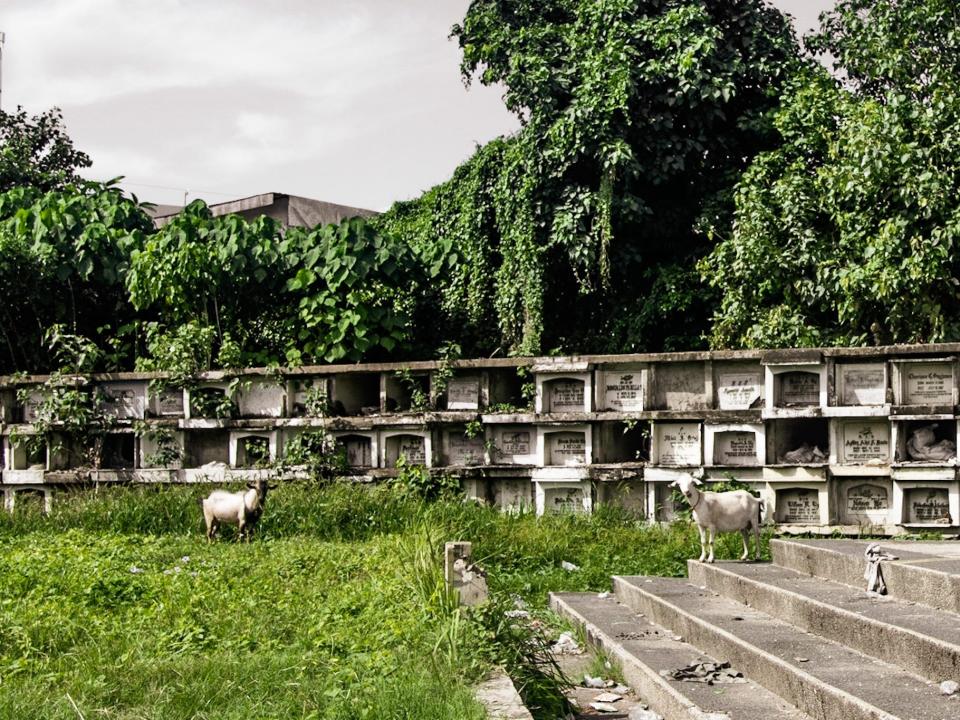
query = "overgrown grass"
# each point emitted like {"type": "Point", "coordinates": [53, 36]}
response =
{"type": "Point", "coordinates": [114, 606]}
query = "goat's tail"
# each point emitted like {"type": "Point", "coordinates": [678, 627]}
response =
{"type": "Point", "coordinates": [760, 508]}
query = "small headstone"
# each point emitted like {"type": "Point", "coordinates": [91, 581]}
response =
{"type": "Point", "coordinates": [679, 444]}
{"type": "Point", "coordinates": [738, 391]}
{"type": "Point", "coordinates": [566, 396]}
{"type": "Point", "coordinates": [799, 388]}
{"type": "Point", "coordinates": [865, 442]}
{"type": "Point", "coordinates": [799, 506]}
{"type": "Point", "coordinates": [623, 391]}
{"type": "Point", "coordinates": [862, 384]}
{"type": "Point", "coordinates": [928, 384]}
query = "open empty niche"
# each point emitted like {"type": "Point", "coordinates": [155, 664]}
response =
{"type": "Point", "coordinates": [462, 392]}
{"type": "Point", "coordinates": [622, 442]}
{"type": "Point", "coordinates": [506, 389]}
{"type": "Point", "coordinates": [565, 448]}
{"type": "Point", "coordinates": [413, 448]}
{"type": "Point", "coordinates": [355, 394]}
{"type": "Point", "coordinates": [665, 502]}
{"type": "Point", "coordinates": [735, 447]}
{"type": "Point", "coordinates": [23, 457]}
{"type": "Point", "coordinates": [309, 397]}
{"type": "Point", "coordinates": [926, 441]}
{"type": "Point", "coordinates": [211, 402]}
{"type": "Point", "coordinates": [798, 506]}
{"type": "Point", "coordinates": [797, 388]}
{"type": "Point", "coordinates": [252, 450]}
{"type": "Point", "coordinates": [207, 446]}
{"type": "Point", "coordinates": [461, 449]}
{"type": "Point", "coordinates": [927, 506]}
{"type": "Point", "coordinates": [798, 442]}
{"type": "Point", "coordinates": [563, 395]}
{"type": "Point", "coordinates": [357, 449]}
{"type": "Point", "coordinates": [411, 392]}
{"type": "Point", "coordinates": [119, 451]}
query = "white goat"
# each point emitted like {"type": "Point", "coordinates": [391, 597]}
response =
{"type": "Point", "coordinates": [242, 509]}
{"type": "Point", "coordinates": [723, 512]}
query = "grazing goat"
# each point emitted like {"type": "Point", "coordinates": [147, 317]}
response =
{"type": "Point", "coordinates": [723, 512]}
{"type": "Point", "coordinates": [240, 508]}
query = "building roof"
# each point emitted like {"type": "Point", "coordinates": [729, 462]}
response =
{"type": "Point", "coordinates": [288, 210]}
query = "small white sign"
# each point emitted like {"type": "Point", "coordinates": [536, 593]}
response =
{"type": "Point", "coordinates": [679, 444]}
{"type": "Point", "coordinates": [623, 391]}
{"type": "Point", "coordinates": [738, 391]}
{"type": "Point", "coordinates": [865, 442]}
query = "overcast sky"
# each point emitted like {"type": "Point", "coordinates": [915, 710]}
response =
{"type": "Point", "coordinates": [357, 102]}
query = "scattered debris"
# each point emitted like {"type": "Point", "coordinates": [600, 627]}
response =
{"type": "Point", "coordinates": [642, 713]}
{"type": "Point", "coordinates": [949, 687]}
{"type": "Point", "coordinates": [593, 682]}
{"type": "Point", "coordinates": [566, 645]}
{"type": "Point", "coordinates": [873, 574]}
{"type": "Point", "coordinates": [677, 638]}
{"type": "Point", "coordinates": [603, 707]}
{"type": "Point", "coordinates": [802, 659]}
{"type": "Point", "coordinates": [569, 566]}
{"type": "Point", "coordinates": [516, 614]}
{"type": "Point", "coordinates": [608, 697]}
{"type": "Point", "coordinates": [603, 595]}
{"type": "Point", "coordinates": [706, 672]}
{"type": "Point", "coordinates": [631, 635]}
{"type": "Point", "coordinates": [134, 570]}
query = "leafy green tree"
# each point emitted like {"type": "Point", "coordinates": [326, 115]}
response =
{"type": "Point", "coordinates": [36, 151]}
{"type": "Point", "coordinates": [849, 232]}
{"type": "Point", "coordinates": [63, 258]}
{"type": "Point", "coordinates": [580, 231]}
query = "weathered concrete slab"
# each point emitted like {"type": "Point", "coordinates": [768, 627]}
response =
{"type": "Point", "coordinates": [643, 649]}
{"type": "Point", "coordinates": [821, 677]}
{"type": "Point", "coordinates": [501, 699]}
{"type": "Point", "coordinates": [920, 575]}
{"type": "Point", "coordinates": [913, 636]}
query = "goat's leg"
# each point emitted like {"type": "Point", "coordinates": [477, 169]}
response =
{"type": "Point", "coordinates": [710, 535]}
{"type": "Point", "coordinates": [756, 540]}
{"type": "Point", "coordinates": [745, 533]}
{"type": "Point", "coordinates": [703, 542]}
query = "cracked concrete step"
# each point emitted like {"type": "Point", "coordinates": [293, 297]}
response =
{"type": "Point", "coordinates": [925, 573]}
{"type": "Point", "coordinates": [643, 649]}
{"type": "Point", "coordinates": [913, 636]}
{"type": "Point", "coordinates": [823, 678]}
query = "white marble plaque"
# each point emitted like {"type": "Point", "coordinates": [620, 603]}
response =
{"type": "Point", "coordinates": [623, 391]}
{"type": "Point", "coordinates": [862, 384]}
{"type": "Point", "coordinates": [412, 448]}
{"type": "Point", "coordinates": [463, 393]}
{"type": "Point", "coordinates": [865, 442]}
{"type": "Point", "coordinates": [566, 395]}
{"type": "Point", "coordinates": [463, 450]}
{"type": "Point", "coordinates": [170, 402]}
{"type": "Point", "coordinates": [679, 444]}
{"type": "Point", "coordinates": [561, 500]}
{"type": "Point", "coordinates": [566, 448]}
{"type": "Point", "coordinates": [515, 442]}
{"type": "Point", "coordinates": [799, 388]}
{"type": "Point", "coordinates": [735, 448]}
{"type": "Point", "coordinates": [867, 502]}
{"type": "Point", "coordinates": [738, 391]}
{"type": "Point", "coordinates": [928, 505]}
{"type": "Point", "coordinates": [357, 451]}
{"type": "Point", "coordinates": [799, 506]}
{"type": "Point", "coordinates": [928, 384]}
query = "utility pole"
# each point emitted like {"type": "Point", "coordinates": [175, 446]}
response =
{"type": "Point", "coordinates": [3, 36]}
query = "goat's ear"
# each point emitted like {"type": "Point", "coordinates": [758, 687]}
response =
{"type": "Point", "coordinates": [674, 484]}
{"type": "Point", "coordinates": [697, 481]}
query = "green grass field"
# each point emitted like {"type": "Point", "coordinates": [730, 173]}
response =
{"type": "Point", "coordinates": [114, 606]}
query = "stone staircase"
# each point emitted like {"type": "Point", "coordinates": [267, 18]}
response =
{"type": "Point", "coordinates": [810, 642]}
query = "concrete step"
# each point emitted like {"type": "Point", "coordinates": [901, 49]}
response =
{"type": "Point", "coordinates": [900, 632]}
{"type": "Point", "coordinates": [643, 649]}
{"type": "Point", "coordinates": [927, 573]}
{"type": "Point", "coordinates": [823, 678]}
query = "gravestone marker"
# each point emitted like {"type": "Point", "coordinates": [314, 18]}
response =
{"type": "Point", "coordinates": [170, 402]}
{"type": "Point", "coordinates": [566, 448]}
{"type": "Point", "coordinates": [928, 384]}
{"type": "Point", "coordinates": [867, 501]}
{"type": "Point", "coordinates": [357, 450]}
{"type": "Point", "coordinates": [463, 393]}
{"type": "Point", "coordinates": [463, 450]}
{"type": "Point", "coordinates": [515, 442]}
{"type": "Point", "coordinates": [565, 395]}
{"type": "Point", "coordinates": [799, 388]}
{"type": "Point", "coordinates": [735, 448]}
{"type": "Point", "coordinates": [799, 506]}
{"type": "Point", "coordinates": [563, 499]}
{"type": "Point", "coordinates": [738, 391]}
{"type": "Point", "coordinates": [412, 448]}
{"type": "Point", "coordinates": [862, 385]}
{"type": "Point", "coordinates": [679, 444]}
{"type": "Point", "coordinates": [865, 442]}
{"type": "Point", "coordinates": [623, 391]}
{"type": "Point", "coordinates": [928, 505]}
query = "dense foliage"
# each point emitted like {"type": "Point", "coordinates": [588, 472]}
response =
{"type": "Point", "coordinates": [848, 233]}
{"type": "Point", "coordinates": [37, 152]}
{"type": "Point", "coordinates": [580, 231]}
